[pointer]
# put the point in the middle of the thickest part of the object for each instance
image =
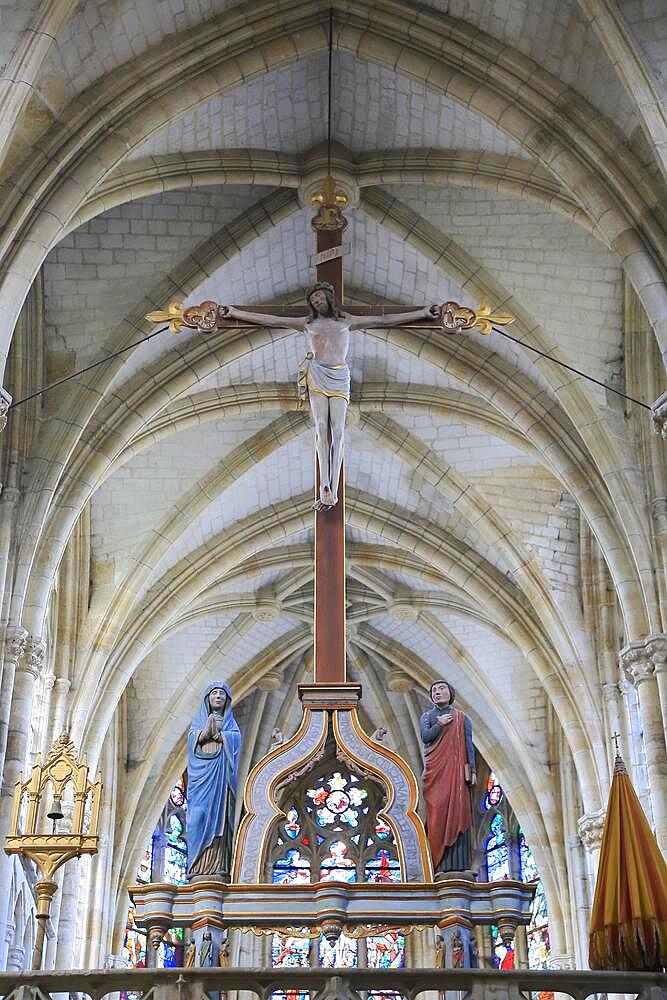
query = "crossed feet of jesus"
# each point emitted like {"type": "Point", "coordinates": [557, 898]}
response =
{"type": "Point", "coordinates": [327, 499]}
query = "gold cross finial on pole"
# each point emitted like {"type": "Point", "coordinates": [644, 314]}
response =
{"type": "Point", "coordinates": [616, 737]}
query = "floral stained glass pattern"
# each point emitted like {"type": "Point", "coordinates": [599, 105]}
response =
{"type": "Point", "coordinates": [497, 854]}
{"type": "Point", "coordinates": [338, 800]}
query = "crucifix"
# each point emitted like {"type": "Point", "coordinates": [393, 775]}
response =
{"type": "Point", "coordinates": [324, 378]}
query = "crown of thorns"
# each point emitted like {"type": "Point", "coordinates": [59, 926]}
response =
{"type": "Point", "coordinates": [321, 286]}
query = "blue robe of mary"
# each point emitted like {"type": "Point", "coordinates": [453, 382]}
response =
{"type": "Point", "coordinates": [212, 777]}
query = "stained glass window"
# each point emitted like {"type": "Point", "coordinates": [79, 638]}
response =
{"type": "Point", "coordinates": [337, 866]}
{"type": "Point", "coordinates": [175, 853]}
{"type": "Point", "coordinates": [177, 797]}
{"type": "Point", "coordinates": [529, 872]}
{"type": "Point", "coordinates": [338, 800]}
{"type": "Point", "coordinates": [537, 932]}
{"type": "Point", "coordinates": [493, 795]}
{"type": "Point", "coordinates": [497, 854]}
{"type": "Point", "coordinates": [383, 868]}
{"type": "Point", "coordinates": [289, 952]}
{"type": "Point", "coordinates": [335, 832]}
{"type": "Point", "coordinates": [387, 951]}
{"type": "Point", "coordinates": [170, 952]}
{"type": "Point", "coordinates": [291, 868]}
{"type": "Point", "coordinates": [144, 868]}
{"type": "Point", "coordinates": [133, 951]}
{"type": "Point", "coordinates": [340, 955]}
{"type": "Point", "coordinates": [502, 954]}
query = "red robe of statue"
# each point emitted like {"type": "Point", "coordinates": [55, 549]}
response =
{"type": "Point", "coordinates": [446, 794]}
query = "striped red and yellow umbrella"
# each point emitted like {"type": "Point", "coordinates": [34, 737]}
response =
{"type": "Point", "coordinates": [629, 920]}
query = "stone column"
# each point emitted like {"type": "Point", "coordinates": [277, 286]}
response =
{"type": "Point", "coordinates": [590, 827]}
{"type": "Point", "coordinates": [19, 733]}
{"type": "Point", "coordinates": [638, 662]}
{"type": "Point", "coordinates": [24, 656]}
{"type": "Point", "coordinates": [58, 707]}
{"type": "Point", "coordinates": [15, 642]}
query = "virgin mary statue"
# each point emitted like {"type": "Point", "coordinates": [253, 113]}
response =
{"type": "Point", "coordinates": [214, 745]}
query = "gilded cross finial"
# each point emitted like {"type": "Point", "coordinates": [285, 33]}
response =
{"type": "Point", "coordinates": [455, 318]}
{"type": "Point", "coordinates": [173, 315]}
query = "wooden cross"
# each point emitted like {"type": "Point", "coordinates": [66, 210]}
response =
{"type": "Point", "coordinates": [329, 609]}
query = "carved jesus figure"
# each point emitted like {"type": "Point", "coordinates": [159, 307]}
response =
{"type": "Point", "coordinates": [324, 374]}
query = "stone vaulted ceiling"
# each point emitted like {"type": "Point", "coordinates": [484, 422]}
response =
{"type": "Point", "coordinates": [476, 471]}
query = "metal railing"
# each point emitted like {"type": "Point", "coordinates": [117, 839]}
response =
{"type": "Point", "coordinates": [331, 984]}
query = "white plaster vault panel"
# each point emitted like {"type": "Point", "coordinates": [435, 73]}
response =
{"type": "Point", "coordinates": [98, 273]}
{"type": "Point", "coordinates": [136, 498]}
{"type": "Point", "coordinates": [468, 449]}
{"type": "Point", "coordinates": [102, 36]}
{"type": "Point", "coordinates": [286, 110]}
{"type": "Point", "coordinates": [503, 677]}
{"type": "Point", "coordinates": [284, 473]}
{"type": "Point", "coordinates": [543, 516]}
{"type": "Point", "coordinates": [166, 667]}
{"type": "Point", "coordinates": [648, 23]}
{"type": "Point", "coordinates": [555, 35]}
{"type": "Point", "coordinates": [274, 264]}
{"type": "Point", "coordinates": [559, 273]}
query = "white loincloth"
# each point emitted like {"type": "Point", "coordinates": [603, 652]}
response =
{"type": "Point", "coordinates": [330, 380]}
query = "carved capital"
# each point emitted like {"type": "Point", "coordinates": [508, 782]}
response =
{"type": "Point", "coordinates": [5, 403]}
{"type": "Point", "coordinates": [49, 680]}
{"type": "Point", "coordinates": [640, 660]}
{"type": "Point", "coordinates": [15, 642]}
{"type": "Point", "coordinates": [35, 652]}
{"type": "Point", "coordinates": [590, 827]}
{"type": "Point", "coordinates": [659, 415]}
{"type": "Point", "coordinates": [610, 692]}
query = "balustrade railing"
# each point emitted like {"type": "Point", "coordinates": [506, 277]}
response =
{"type": "Point", "coordinates": [332, 984]}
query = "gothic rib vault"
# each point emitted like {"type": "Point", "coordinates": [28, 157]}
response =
{"type": "Point", "coordinates": [506, 519]}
